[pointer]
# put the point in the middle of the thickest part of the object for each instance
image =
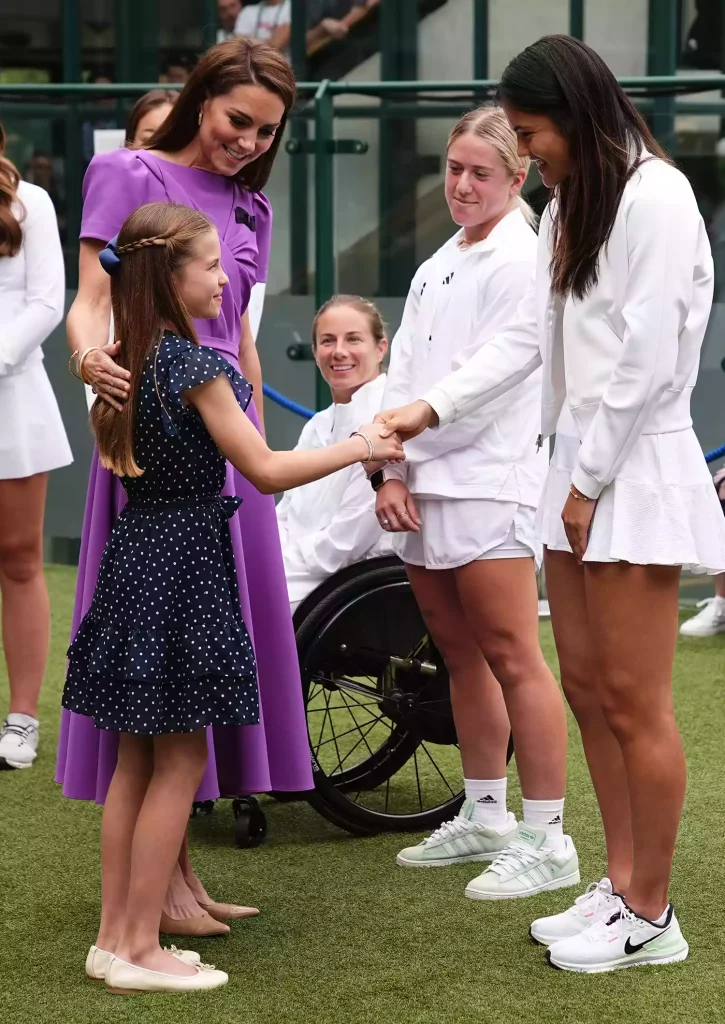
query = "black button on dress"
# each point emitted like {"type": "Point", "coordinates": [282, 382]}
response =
{"type": "Point", "coordinates": [163, 647]}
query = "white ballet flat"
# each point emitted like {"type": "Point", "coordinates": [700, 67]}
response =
{"type": "Point", "coordinates": [126, 979]}
{"type": "Point", "coordinates": [99, 960]}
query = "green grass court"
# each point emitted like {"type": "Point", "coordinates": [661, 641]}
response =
{"type": "Point", "coordinates": [344, 936]}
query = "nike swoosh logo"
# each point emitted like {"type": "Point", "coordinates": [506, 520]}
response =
{"type": "Point", "coordinates": [629, 948]}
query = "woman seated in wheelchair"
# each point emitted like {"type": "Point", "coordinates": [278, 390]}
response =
{"type": "Point", "coordinates": [329, 525]}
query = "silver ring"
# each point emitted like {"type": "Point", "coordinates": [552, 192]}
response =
{"type": "Point", "coordinates": [386, 522]}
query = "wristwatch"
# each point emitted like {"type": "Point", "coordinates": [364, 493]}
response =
{"type": "Point", "coordinates": [378, 478]}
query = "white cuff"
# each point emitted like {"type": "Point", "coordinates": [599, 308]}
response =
{"type": "Point", "coordinates": [585, 483]}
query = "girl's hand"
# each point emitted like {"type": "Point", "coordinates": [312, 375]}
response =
{"type": "Point", "coordinates": [386, 448]}
{"type": "Point", "coordinates": [409, 420]}
{"type": "Point", "coordinates": [577, 516]}
{"type": "Point", "coordinates": [396, 509]}
{"type": "Point", "coordinates": [108, 380]}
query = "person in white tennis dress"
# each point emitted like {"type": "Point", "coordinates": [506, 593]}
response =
{"type": "Point", "coordinates": [616, 317]}
{"type": "Point", "coordinates": [472, 490]}
{"type": "Point", "coordinates": [32, 443]}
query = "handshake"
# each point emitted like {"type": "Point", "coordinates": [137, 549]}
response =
{"type": "Point", "coordinates": [395, 508]}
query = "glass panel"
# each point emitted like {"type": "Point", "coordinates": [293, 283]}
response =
{"type": "Point", "coordinates": [29, 41]}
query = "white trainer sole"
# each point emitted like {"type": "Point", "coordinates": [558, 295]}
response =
{"type": "Point", "coordinates": [442, 862]}
{"type": "Point", "coordinates": [6, 765]}
{"type": "Point", "coordinates": [637, 960]}
{"type": "Point", "coordinates": [558, 883]}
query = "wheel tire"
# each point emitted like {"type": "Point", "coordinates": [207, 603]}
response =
{"type": "Point", "coordinates": [250, 823]}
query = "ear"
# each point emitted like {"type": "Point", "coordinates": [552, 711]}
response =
{"type": "Point", "coordinates": [517, 182]}
{"type": "Point", "coordinates": [383, 346]}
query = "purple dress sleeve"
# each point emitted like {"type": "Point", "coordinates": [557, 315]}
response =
{"type": "Point", "coordinates": [263, 224]}
{"type": "Point", "coordinates": [114, 185]}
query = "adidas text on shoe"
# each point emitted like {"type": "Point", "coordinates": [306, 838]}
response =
{"type": "Point", "coordinates": [598, 902]}
{"type": "Point", "coordinates": [622, 940]}
{"type": "Point", "coordinates": [458, 842]}
{"type": "Point", "coordinates": [526, 867]}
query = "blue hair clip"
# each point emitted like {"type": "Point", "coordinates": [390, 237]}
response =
{"type": "Point", "coordinates": [109, 257]}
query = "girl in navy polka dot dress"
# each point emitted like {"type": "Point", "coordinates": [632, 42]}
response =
{"type": "Point", "coordinates": [163, 651]}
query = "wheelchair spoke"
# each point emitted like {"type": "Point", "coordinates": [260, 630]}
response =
{"type": "Point", "coordinates": [445, 780]}
{"type": "Point", "coordinates": [324, 721]}
{"type": "Point", "coordinates": [417, 778]}
{"type": "Point", "coordinates": [363, 738]}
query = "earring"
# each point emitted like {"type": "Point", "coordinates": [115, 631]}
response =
{"type": "Point", "coordinates": [201, 115]}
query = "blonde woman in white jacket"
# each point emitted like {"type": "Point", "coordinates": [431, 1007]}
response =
{"type": "Point", "coordinates": [462, 513]}
{"type": "Point", "coordinates": [616, 316]}
{"type": "Point", "coordinates": [32, 442]}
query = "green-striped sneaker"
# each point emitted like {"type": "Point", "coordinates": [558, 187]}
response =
{"type": "Point", "coordinates": [527, 866]}
{"type": "Point", "coordinates": [458, 842]}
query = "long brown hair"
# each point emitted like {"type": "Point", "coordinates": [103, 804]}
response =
{"type": "Point", "coordinates": [154, 243]}
{"type": "Point", "coordinates": [490, 123]}
{"type": "Point", "coordinates": [149, 101]}
{"type": "Point", "coordinates": [223, 67]}
{"type": "Point", "coordinates": [11, 235]}
{"type": "Point", "coordinates": [567, 81]}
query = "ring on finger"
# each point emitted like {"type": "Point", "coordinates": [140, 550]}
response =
{"type": "Point", "coordinates": [403, 515]}
{"type": "Point", "coordinates": [386, 522]}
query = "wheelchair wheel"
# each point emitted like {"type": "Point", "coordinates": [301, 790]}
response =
{"type": "Point", "coordinates": [380, 725]}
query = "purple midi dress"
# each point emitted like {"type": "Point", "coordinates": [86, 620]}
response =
{"type": "Point", "coordinates": [273, 755]}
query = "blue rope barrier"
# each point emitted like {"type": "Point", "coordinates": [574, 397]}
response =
{"type": "Point", "coordinates": [716, 453]}
{"type": "Point", "coordinates": [287, 403]}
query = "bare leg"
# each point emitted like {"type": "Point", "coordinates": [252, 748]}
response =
{"type": "Point", "coordinates": [188, 902]}
{"type": "Point", "coordinates": [500, 602]}
{"type": "Point", "coordinates": [580, 679]}
{"type": "Point", "coordinates": [720, 584]}
{"type": "Point", "coordinates": [25, 605]}
{"type": "Point", "coordinates": [478, 707]}
{"type": "Point", "coordinates": [635, 609]}
{"type": "Point", "coordinates": [179, 761]}
{"type": "Point", "coordinates": [120, 813]}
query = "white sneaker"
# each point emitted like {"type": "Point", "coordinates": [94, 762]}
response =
{"type": "Point", "coordinates": [18, 742]}
{"type": "Point", "coordinates": [598, 902]}
{"type": "Point", "coordinates": [709, 622]}
{"type": "Point", "coordinates": [458, 842]}
{"type": "Point", "coordinates": [526, 867]}
{"type": "Point", "coordinates": [622, 940]}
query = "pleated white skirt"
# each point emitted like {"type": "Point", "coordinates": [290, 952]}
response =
{"type": "Point", "coordinates": [32, 437]}
{"type": "Point", "coordinates": [662, 508]}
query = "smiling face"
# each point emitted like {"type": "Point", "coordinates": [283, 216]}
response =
{"type": "Point", "coordinates": [148, 124]}
{"type": "Point", "coordinates": [479, 189]}
{"type": "Point", "coordinates": [346, 351]}
{"type": "Point", "coordinates": [541, 139]}
{"type": "Point", "coordinates": [237, 128]}
{"type": "Point", "coordinates": [201, 280]}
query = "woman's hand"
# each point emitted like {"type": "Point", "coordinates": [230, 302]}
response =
{"type": "Point", "coordinates": [385, 448]}
{"type": "Point", "coordinates": [396, 509]}
{"type": "Point", "coordinates": [107, 378]}
{"type": "Point", "coordinates": [409, 420]}
{"type": "Point", "coordinates": [719, 481]}
{"type": "Point", "coordinates": [577, 516]}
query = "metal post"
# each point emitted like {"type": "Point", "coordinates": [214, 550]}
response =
{"type": "Point", "coordinates": [662, 60]}
{"type": "Point", "coordinates": [209, 23]}
{"type": "Point", "coordinates": [299, 166]}
{"type": "Point", "coordinates": [72, 141]}
{"type": "Point", "coordinates": [576, 19]}
{"type": "Point", "coordinates": [324, 212]}
{"type": "Point", "coordinates": [480, 40]}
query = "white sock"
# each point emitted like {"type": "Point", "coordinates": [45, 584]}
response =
{"type": "Point", "coordinates": [23, 720]}
{"type": "Point", "coordinates": [489, 801]}
{"type": "Point", "coordinates": [549, 815]}
{"type": "Point", "coordinates": [661, 920]}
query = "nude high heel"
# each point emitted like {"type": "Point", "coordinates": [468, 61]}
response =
{"type": "Point", "coordinates": [228, 911]}
{"type": "Point", "coordinates": [201, 925]}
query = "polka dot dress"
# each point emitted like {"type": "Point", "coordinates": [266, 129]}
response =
{"type": "Point", "coordinates": [163, 647]}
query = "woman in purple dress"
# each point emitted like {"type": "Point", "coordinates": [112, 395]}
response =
{"type": "Point", "coordinates": [214, 153]}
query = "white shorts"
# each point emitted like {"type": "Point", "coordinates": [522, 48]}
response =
{"type": "Point", "coordinates": [458, 531]}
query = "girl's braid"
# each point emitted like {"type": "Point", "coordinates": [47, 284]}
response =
{"type": "Point", "coordinates": [141, 244]}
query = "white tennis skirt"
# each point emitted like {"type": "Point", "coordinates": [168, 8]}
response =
{"type": "Point", "coordinates": [458, 531]}
{"type": "Point", "coordinates": [32, 437]}
{"type": "Point", "coordinates": [661, 509]}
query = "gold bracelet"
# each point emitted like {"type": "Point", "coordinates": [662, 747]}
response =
{"type": "Point", "coordinates": [74, 355]}
{"type": "Point", "coordinates": [84, 353]}
{"type": "Point", "coordinates": [575, 494]}
{"type": "Point", "coordinates": [368, 442]}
